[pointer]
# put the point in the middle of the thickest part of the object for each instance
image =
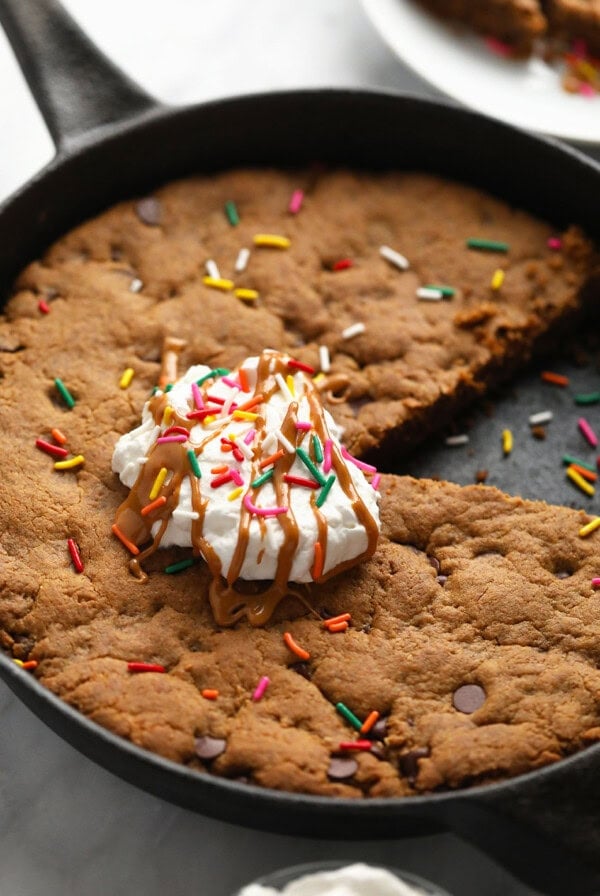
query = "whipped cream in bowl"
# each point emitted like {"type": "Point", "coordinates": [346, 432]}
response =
{"type": "Point", "coordinates": [246, 468]}
{"type": "Point", "coordinates": [337, 879]}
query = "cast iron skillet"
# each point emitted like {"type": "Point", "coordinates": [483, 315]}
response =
{"type": "Point", "coordinates": [114, 141]}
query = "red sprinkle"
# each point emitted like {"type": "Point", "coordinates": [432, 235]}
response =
{"type": "Point", "coordinates": [75, 555]}
{"type": "Point", "coordinates": [176, 430]}
{"type": "Point", "coordinates": [343, 264]}
{"type": "Point", "coordinates": [44, 307]}
{"type": "Point", "coordinates": [356, 745]}
{"type": "Point", "coordinates": [221, 480]}
{"type": "Point", "coordinates": [49, 448]}
{"type": "Point", "coordinates": [145, 667]}
{"type": "Point", "coordinates": [299, 365]}
{"type": "Point", "coordinates": [300, 480]}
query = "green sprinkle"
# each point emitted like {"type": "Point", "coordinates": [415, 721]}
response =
{"type": "Point", "coordinates": [349, 715]}
{"type": "Point", "coordinates": [262, 479]}
{"type": "Point", "coordinates": [168, 387]}
{"type": "Point", "coordinates": [487, 245]}
{"type": "Point", "coordinates": [65, 394]}
{"type": "Point", "coordinates": [569, 459]}
{"type": "Point", "coordinates": [191, 454]}
{"type": "Point", "coordinates": [218, 371]}
{"type": "Point", "coordinates": [232, 213]}
{"type": "Point", "coordinates": [446, 291]}
{"type": "Point", "coordinates": [154, 390]}
{"type": "Point", "coordinates": [310, 466]}
{"type": "Point", "coordinates": [590, 398]}
{"type": "Point", "coordinates": [317, 448]}
{"type": "Point", "coordinates": [178, 567]}
{"type": "Point", "coordinates": [325, 491]}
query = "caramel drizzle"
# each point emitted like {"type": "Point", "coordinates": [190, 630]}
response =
{"type": "Point", "coordinates": [228, 603]}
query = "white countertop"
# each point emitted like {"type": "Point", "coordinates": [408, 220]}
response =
{"type": "Point", "coordinates": [66, 825]}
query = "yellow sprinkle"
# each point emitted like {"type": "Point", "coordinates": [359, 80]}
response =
{"type": "Point", "coordinates": [244, 415]}
{"type": "Point", "coordinates": [232, 436]}
{"type": "Point", "coordinates": [70, 463]}
{"type": "Point", "coordinates": [290, 384]}
{"type": "Point", "coordinates": [586, 70]}
{"type": "Point", "coordinates": [590, 527]}
{"type": "Point", "coordinates": [235, 493]}
{"type": "Point", "coordinates": [318, 378]}
{"type": "Point", "coordinates": [210, 419]}
{"type": "Point", "coordinates": [218, 283]}
{"type": "Point", "coordinates": [248, 295]}
{"type": "Point", "coordinates": [580, 482]}
{"type": "Point", "coordinates": [126, 378]}
{"type": "Point", "coordinates": [272, 240]}
{"type": "Point", "coordinates": [507, 441]}
{"type": "Point", "coordinates": [18, 662]}
{"type": "Point", "coordinates": [167, 415]}
{"type": "Point", "coordinates": [497, 279]}
{"type": "Point", "coordinates": [158, 483]}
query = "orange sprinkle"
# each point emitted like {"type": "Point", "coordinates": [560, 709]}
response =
{"type": "Point", "coordinates": [251, 403]}
{"type": "Point", "coordinates": [243, 378]}
{"type": "Point", "coordinates": [154, 505]}
{"type": "Point", "coordinates": [343, 617]}
{"type": "Point", "coordinates": [226, 447]}
{"type": "Point", "coordinates": [210, 693]}
{"type": "Point", "coordinates": [271, 459]}
{"type": "Point", "coordinates": [291, 645]}
{"type": "Point", "coordinates": [58, 436]}
{"type": "Point", "coordinates": [30, 664]}
{"type": "Point", "coordinates": [317, 569]}
{"type": "Point", "coordinates": [557, 379]}
{"type": "Point", "coordinates": [337, 627]}
{"type": "Point", "coordinates": [369, 722]}
{"type": "Point", "coordinates": [123, 538]}
{"type": "Point", "coordinates": [223, 468]}
{"type": "Point", "coordinates": [587, 474]}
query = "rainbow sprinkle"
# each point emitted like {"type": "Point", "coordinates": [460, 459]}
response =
{"type": "Point", "coordinates": [272, 241]}
{"type": "Point", "coordinates": [261, 687]}
{"type": "Point", "coordinates": [75, 555]}
{"type": "Point", "coordinates": [64, 393]}
{"type": "Point", "coordinates": [126, 378]}
{"type": "Point", "coordinates": [232, 213]}
{"type": "Point", "coordinates": [70, 463]}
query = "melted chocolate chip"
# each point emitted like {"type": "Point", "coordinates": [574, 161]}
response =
{"type": "Point", "coordinates": [563, 574]}
{"type": "Point", "coordinates": [379, 729]}
{"type": "Point", "coordinates": [433, 561]}
{"type": "Point", "coordinates": [409, 763]}
{"type": "Point", "coordinates": [468, 698]}
{"type": "Point", "coordinates": [340, 768]}
{"type": "Point", "coordinates": [441, 580]}
{"type": "Point", "coordinates": [302, 669]}
{"type": "Point", "coordinates": [209, 747]}
{"type": "Point", "coordinates": [149, 211]}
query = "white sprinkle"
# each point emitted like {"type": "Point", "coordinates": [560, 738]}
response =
{"type": "Point", "coordinates": [269, 444]}
{"type": "Point", "coordinates": [324, 359]}
{"type": "Point", "coordinates": [245, 449]}
{"type": "Point", "coordinates": [186, 514]}
{"type": "Point", "coordinates": [226, 409]}
{"type": "Point", "coordinates": [456, 441]}
{"type": "Point", "coordinates": [429, 295]}
{"type": "Point", "coordinates": [394, 258]}
{"type": "Point", "coordinates": [285, 442]}
{"type": "Point", "coordinates": [212, 270]}
{"type": "Point", "coordinates": [542, 417]}
{"type": "Point", "coordinates": [353, 330]}
{"type": "Point", "coordinates": [242, 260]}
{"type": "Point", "coordinates": [141, 460]}
{"type": "Point", "coordinates": [283, 386]}
{"type": "Point", "coordinates": [136, 285]}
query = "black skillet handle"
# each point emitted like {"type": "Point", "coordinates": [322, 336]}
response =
{"type": "Point", "coordinates": [75, 85]}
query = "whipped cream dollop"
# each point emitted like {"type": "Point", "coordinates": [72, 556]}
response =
{"type": "Point", "coordinates": [246, 468]}
{"type": "Point", "coordinates": [354, 880]}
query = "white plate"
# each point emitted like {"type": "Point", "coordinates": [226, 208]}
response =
{"type": "Point", "coordinates": [524, 93]}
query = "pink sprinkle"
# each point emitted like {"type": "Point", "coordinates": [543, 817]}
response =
{"type": "Point", "coordinates": [366, 468]}
{"type": "Point", "coordinates": [262, 511]}
{"type": "Point", "coordinates": [587, 90]}
{"type": "Point", "coordinates": [376, 480]}
{"type": "Point", "coordinates": [261, 687]}
{"type": "Point", "coordinates": [327, 456]}
{"type": "Point", "coordinates": [587, 432]}
{"type": "Point", "coordinates": [296, 202]}
{"type": "Point", "coordinates": [231, 383]}
{"type": "Point", "coordinates": [249, 437]}
{"type": "Point", "coordinates": [596, 582]}
{"type": "Point", "coordinates": [498, 47]}
{"type": "Point", "coordinates": [236, 477]}
{"type": "Point", "coordinates": [197, 395]}
{"type": "Point", "coordinates": [303, 426]}
{"type": "Point", "coordinates": [165, 439]}
{"type": "Point", "coordinates": [554, 242]}
{"type": "Point", "coordinates": [44, 306]}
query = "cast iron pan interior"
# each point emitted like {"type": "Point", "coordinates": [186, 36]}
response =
{"type": "Point", "coordinates": [115, 141]}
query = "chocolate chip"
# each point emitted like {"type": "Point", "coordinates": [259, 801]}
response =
{"type": "Point", "coordinates": [378, 752]}
{"type": "Point", "coordinates": [409, 763]}
{"type": "Point", "coordinates": [563, 574]}
{"type": "Point", "coordinates": [538, 432]}
{"type": "Point", "coordinates": [366, 628]}
{"type": "Point", "coordinates": [149, 211]}
{"type": "Point", "coordinates": [468, 698]}
{"type": "Point", "coordinates": [481, 475]}
{"type": "Point", "coordinates": [340, 769]}
{"type": "Point", "coordinates": [302, 669]}
{"type": "Point", "coordinates": [433, 561]}
{"type": "Point", "coordinates": [379, 729]}
{"type": "Point", "coordinates": [441, 580]}
{"type": "Point", "coordinates": [209, 747]}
